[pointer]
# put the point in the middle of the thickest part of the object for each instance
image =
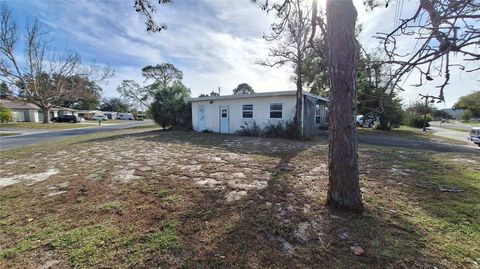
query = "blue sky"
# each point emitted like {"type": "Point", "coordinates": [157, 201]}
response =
{"type": "Point", "coordinates": [216, 43]}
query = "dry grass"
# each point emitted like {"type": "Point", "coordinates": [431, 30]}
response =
{"type": "Point", "coordinates": [142, 199]}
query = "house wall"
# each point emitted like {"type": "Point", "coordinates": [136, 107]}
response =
{"type": "Point", "coordinates": [310, 125]}
{"type": "Point", "coordinates": [18, 115]}
{"type": "Point", "coordinates": [261, 111]}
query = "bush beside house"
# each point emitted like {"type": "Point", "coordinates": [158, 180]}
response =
{"type": "Point", "coordinates": [280, 130]}
{"type": "Point", "coordinates": [5, 114]}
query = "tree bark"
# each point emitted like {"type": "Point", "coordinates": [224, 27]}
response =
{"type": "Point", "coordinates": [46, 115]}
{"type": "Point", "coordinates": [298, 105]}
{"type": "Point", "coordinates": [344, 186]}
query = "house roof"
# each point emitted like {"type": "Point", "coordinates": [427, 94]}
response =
{"type": "Point", "coordinates": [18, 104]}
{"type": "Point", "coordinates": [254, 95]}
{"type": "Point", "coordinates": [63, 108]}
{"type": "Point", "coordinates": [89, 111]}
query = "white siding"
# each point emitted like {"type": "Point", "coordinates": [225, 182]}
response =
{"type": "Point", "coordinates": [18, 115]}
{"type": "Point", "coordinates": [261, 111]}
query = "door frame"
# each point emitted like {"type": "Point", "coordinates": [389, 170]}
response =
{"type": "Point", "coordinates": [220, 118]}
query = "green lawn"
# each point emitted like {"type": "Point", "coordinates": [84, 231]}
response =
{"type": "Point", "coordinates": [471, 123]}
{"type": "Point", "coordinates": [34, 125]}
{"type": "Point", "coordinates": [170, 199]}
{"type": "Point", "coordinates": [7, 134]}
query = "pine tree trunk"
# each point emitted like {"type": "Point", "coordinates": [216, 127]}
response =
{"type": "Point", "coordinates": [298, 105]}
{"type": "Point", "coordinates": [46, 115]}
{"type": "Point", "coordinates": [344, 186]}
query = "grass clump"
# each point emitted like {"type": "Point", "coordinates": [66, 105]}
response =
{"type": "Point", "coordinates": [85, 245]}
{"type": "Point", "coordinates": [115, 206]}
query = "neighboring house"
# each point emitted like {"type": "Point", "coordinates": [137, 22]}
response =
{"type": "Point", "coordinates": [227, 114]}
{"type": "Point", "coordinates": [27, 112]}
{"type": "Point", "coordinates": [455, 113]}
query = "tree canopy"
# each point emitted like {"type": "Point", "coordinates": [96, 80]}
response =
{"type": "Point", "coordinates": [43, 76]}
{"type": "Point", "coordinates": [164, 74]}
{"type": "Point", "coordinates": [114, 104]}
{"type": "Point", "coordinates": [170, 107]}
{"type": "Point", "coordinates": [470, 102]}
{"type": "Point", "coordinates": [243, 88]}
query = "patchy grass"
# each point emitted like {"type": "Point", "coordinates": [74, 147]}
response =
{"type": "Point", "coordinates": [150, 126]}
{"type": "Point", "coordinates": [34, 125]}
{"type": "Point", "coordinates": [471, 123]}
{"type": "Point", "coordinates": [142, 198]}
{"type": "Point", "coordinates": [7, 134]}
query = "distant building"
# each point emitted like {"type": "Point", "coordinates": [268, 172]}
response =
{"type": "Point", "coordinates": [455, 113]}
{"type": "Point", "coordinates": [27, 112]}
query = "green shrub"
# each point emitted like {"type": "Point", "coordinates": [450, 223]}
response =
{"type": "Point", "coordinates": [467, 115]}
{"type": "Point", "coordinates": [169, 108]}
{"type": "Point", "coordinates": [291, 131]}
{"type": "Point", "coordinates": [274, 130]}
{"type": "Point", "coordinates": [280, 129]}
{"type": "Point", "coordinates": [5, 114]}
{"type": "Point", "coordinates": [416, 120]}
{"type": "Point", "coordinates": [250, 129]}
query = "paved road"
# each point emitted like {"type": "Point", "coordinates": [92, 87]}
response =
{"type": "Point", "coordinates": [448, 133]}
{"type": "Point", "coordinates": [453, 124]}
{"type": "Point", "coordinates": [10, 142]}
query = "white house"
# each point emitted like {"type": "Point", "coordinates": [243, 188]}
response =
{"type": "Point", "coordinates": [27, 112]}
{"type": "Point", "coordinates": [226, 114]}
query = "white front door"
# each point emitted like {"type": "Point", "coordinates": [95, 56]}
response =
{"type": "Point", "coordinates": [201, 118]}
{"type": "Point", "coordinates": [224, 120]}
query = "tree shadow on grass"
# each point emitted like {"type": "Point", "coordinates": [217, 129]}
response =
{"type": "Point", "coordinates": [270, 228]}
{"type": "Point", "coordinates": [280, 226]}
{"type": "Point", "coordinates": [407, 140]}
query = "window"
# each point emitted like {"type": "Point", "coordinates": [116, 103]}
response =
{"type": "Point", "coordinates": [247, 111]}
{"type": "Point", "coordinates": [276, 111]}
{"type": "Point", "coordinates": [317, 114]}
{"type": "Point", "coordinates": [224, 113]}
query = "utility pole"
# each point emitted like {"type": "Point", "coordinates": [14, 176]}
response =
{"type": "Point", "coordinates": [432, 100]}
{"type": "Point", "coordinates": [219, 90]}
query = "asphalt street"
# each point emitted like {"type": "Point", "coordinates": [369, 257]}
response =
{"type": "Point", "coordinates": [11, 142]}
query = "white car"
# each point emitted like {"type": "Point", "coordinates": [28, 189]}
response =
{"type": "Point", "coordinates": [99, 118]}
{"type": "Point", "coordinates": [475, 135]}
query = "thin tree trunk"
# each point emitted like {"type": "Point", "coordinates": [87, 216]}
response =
{"type": "Point", "coordinates": [46, 115]}
{"type": "Point", "coordinates": [298, 105]}
{"type": "Point", "coordinates": [344, 186]}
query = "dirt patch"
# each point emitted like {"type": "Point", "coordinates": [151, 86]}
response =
{"type": "Point", "coordinates": [193, 200]}
{"type": "Point", "coordinates": [28, 179]}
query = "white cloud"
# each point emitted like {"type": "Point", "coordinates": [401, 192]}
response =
{"type": "Point", "coordinates": [214, 42]}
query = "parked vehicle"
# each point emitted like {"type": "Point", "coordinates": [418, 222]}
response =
{"type": "Point", "coordinates": [99, 118]}
{"type": "Point", "coordinates": [475, 135]}
{"type": "Point", "coordinates": [125, 116]}
{"type": "Point", "coordinates": [365, 121]}
{"type": "Point", "coordinates": [67, 118]}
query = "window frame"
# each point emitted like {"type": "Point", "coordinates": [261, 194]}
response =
{"type": "Point", "coordinates": [247, 111]}
{"type": "Point", "coordinates": [318, 116]}
{"type": "Point", "coordinates": [276, 111]}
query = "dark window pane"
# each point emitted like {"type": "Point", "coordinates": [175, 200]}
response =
{"type": "Point", "coordinates": [275, 106]}
{"type": "Point", "coordinates": [317, 119]}
{"type": "Point", "coordinates": [247, 114]}
{"type": "Point", "coordinates": [247, 107]}
{"type": "Point", "coordinates": [275, 114]}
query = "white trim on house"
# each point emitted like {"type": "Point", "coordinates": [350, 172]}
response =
{"type": "Point", "coordinates": [254, 95]}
